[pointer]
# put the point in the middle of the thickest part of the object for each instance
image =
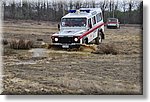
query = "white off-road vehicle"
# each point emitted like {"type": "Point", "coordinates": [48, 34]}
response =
{"type": "Point", "coordinates": [80, 27]}
{"type": "Point", "coordinates": [113, 23]}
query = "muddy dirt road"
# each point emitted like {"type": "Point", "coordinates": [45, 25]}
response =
{"type": "Point", "coordinates": [48, 71]}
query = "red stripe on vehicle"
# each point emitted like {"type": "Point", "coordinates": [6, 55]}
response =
{"type": "Point", "coordinates": [91, 30]}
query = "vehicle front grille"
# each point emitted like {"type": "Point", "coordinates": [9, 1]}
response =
{"type": "Point", "coordinates": [66, 40]}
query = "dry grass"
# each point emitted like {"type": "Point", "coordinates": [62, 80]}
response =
{"type": "Point", "coordinates": [31, 27]}
{"type": "Point", "coordinates": [7, 51]}
{"type": "Point", "coordinates": [4, 42]}
{"type": "Point", "coordinates": [104, 48]}
{"type": "Point", "coordinates": [29, 30]}
{"type": "Point", "coordinates": [20, 44]}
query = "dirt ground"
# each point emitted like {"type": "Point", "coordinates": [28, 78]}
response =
{"type": "Point", "coordinates": [49, 71]}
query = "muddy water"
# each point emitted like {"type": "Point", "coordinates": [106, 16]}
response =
{"type": "Point", "coordinates": [39, 52]}
{"type": "Point", "coordinates": [43, 52]}
{"type": "Point", "coordinates": [33, 56]}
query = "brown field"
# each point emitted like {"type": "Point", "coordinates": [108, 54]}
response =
{"type": "Point", "coordinates": [49, 71]}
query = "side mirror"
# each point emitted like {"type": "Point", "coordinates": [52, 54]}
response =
{"type": "Point", "coordinates": [58, 26]}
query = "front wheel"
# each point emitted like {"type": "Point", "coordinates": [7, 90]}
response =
{"type": "Point", "coordinates": [98, 39]}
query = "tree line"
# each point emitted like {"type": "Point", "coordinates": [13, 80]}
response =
{"type": "Point", "coordinates": [128, 12]}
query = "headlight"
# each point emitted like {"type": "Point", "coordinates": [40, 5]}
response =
{"type": "Point", "coordinates": [76, 39]}
{"type": "Point", "coordinates": [56, 39]}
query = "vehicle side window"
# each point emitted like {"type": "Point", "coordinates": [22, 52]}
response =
{"type": "Point", "coordinates": [99, 17]}
{"type": "Point", "coordinates": [89, 23]}
{"type": "Point", "coordinates": [94, 20]}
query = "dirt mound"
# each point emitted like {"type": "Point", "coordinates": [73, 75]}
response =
{"type": "Point", "coordinates": [105, 48]}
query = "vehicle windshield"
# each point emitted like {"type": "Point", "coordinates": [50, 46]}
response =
{"type": "Point", "coordinates": [112, 20]}
{"type": "Point", "coordinates": [73, 22]}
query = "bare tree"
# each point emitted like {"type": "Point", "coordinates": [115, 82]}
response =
{"type": "Point", "coordinates": [131, 5]}
{"type": "Point", "coordinates": [103, 5]}
{"type": "Point", "coordinates": [38, 10]}
{"type": "Point", "coordinates": [77, 4]}
{"type": "Point", "coordinates": [4, 6]}
{"type": "Point", "coordinates": [25, 9]}
{"type": "Point", "coordinates": [111, 8]}
{"type": "Point", "coordinates": [126, 11]}
{"type": "Point", "coordinates": [124, 6]}
{"type": "Point", "coordinates": [93, 3]}
{"type": "Point", "coordinates": [70, 4]}
{"type": "Point", "coordinates": [13, 11]}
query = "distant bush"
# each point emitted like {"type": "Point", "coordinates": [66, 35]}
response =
{"type": "Point", "coordinates": [104, 48]}
{"type": "Point", "coordinates": [20, 44]}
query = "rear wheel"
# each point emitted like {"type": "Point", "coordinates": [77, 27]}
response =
{"type": "Point", "coordinates": [98, 40]}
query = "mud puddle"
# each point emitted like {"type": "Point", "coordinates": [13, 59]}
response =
{"type": "Point", "coordinates": [35, 55]}
{"type": "Point", "coordinates": [39, 52]}
{"type": "Point", "coordinates": [43, 52]}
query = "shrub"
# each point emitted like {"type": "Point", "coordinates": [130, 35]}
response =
{"type": "Point", "coordinates": [20, 44]}
{"type": "Point", "coordinates": [104, 48]}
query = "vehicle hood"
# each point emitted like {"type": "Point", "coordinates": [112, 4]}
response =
{"type": "Point", "coordinates": [69, 33]}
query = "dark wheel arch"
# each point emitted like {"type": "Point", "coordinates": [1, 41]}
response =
{"type": "Point", "coordinates": [98, 39]}
{"type": "Point", "coordinates": [85, 40]}
{"type": "Point", "coordinates": [102, 34]}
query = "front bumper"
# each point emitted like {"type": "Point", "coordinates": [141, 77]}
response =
{"type": "Point", "coordinates": [111, 25]}
{"type": "Point", "coordinates": [66, 45]}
